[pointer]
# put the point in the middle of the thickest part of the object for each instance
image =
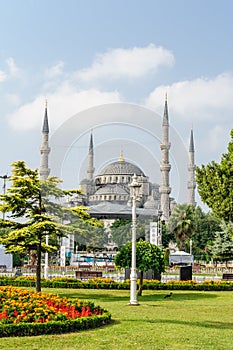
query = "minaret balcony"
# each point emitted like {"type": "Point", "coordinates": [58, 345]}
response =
{"type": "Point", "coordinates": [165, 167]}
{"type": "Point", "coordinates": [165, 146]}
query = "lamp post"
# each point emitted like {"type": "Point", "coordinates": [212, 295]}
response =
{"type": "Point", "coordinates": [46, 263]}
{"type": "Point", "coordinates": [159, 229]}
{"type": "Point", "coordinates": [190, 245]}
{"type": "Point", "coordinates": [4, 177]}
{"type": "Point", "coordinates": [133, 275]}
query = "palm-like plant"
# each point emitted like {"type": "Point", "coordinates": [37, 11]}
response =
{"type": "Point", "coordinates": [181, 223]}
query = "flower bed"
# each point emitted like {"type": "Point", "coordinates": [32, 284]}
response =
{"type": "Point", "coordinates": [24, 312]}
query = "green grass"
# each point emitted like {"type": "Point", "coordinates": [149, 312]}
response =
{"type": "Point", "coordinates": [188, 320]}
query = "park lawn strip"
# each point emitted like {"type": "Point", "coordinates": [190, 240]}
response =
{"type": "Point", "coordinates": [188, 320]}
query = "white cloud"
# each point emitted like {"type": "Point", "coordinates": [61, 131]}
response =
{"type": "Point", "coordinates": [62, 104]}
{"type": "Point", "coordinates": [127, 63]}
{"type": "Point", "coordinates": [13, 99]}
{"type": "Point", "coordinates": [55, 70]}
{"type": "Point", "coordinates": [198, 99]}
{"type": "Point", "coordinates": [3, 76]}
{"type": "Point", "coordinates": [216, 138]}
{"type": "Point", "coordinates": [11, 71]}
{"type": "Point", "coordinates": [205, 104]}
{"type": "Point", "coordinates": [14, 71]}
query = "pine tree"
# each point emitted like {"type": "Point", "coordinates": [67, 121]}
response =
{"type": "Point", "coordinates": [34, 211]}
{"type": "Point", "coordinates": [222, 248]}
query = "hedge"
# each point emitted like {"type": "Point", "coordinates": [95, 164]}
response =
{"type": "Point", "coordinates": [107, 283]}
{"type": "Point", "coordinates": [54, 327]}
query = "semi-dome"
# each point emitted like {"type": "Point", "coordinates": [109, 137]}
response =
{"type": "Point", "coordinates": [112, 189]}
{"type": "Point", "coordinates": [121, 167]}
{"type": "Point", "coordinates": [85, 182]}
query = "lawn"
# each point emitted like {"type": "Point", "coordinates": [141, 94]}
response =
{"type": "Point", "coordinates": [187, 320]}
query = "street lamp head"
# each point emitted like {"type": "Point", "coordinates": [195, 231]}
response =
{"type": "Point", "coordinates": [134, 183]}
{"type": "Point", "coordinates": [134, 187]}
{"type": "Point", "coordinates": [4, 177]}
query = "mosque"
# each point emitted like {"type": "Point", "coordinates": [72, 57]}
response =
{"type": "Point", "coordinates": [108, 194]}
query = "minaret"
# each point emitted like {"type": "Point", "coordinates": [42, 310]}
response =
{"type": "Point", "coordinates": [165, 167]}
{"type": "Point", "coordinates": [90, 167]}
{"type": "Point", "coordinates": [191, 172]}
{"type": "Point", "coordinates": [45, 149]}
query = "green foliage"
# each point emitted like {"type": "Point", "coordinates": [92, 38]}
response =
{"type": "Point", "coordinates": [148, 256]}
{"type": "Point", "coordinates": [54, 327]}
{"type": "Point", "coordinates": [206, 225]}
{"type": "Point", "coordinates": [222, 248]}
{"type": "Point", "coordinates": [88, 231]}
{"type": "Point", "coordinates": [35, 211]}
{"type": "Point", "coordinates": [29, 200]}
{"type": "Point", "coordinates": [215, 184]}
{"type": "Point", "coordinates": [167, 236]}
{"type": "Point", "coordinates": [103, 283]}
{"type": "Point", "coordinates": [181, 223]}
{"type": "Point", "coordinates": [121, 231]}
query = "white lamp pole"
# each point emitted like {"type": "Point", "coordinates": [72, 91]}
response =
{"type": "Point", "coordinates": [191, 245]}
{"type": "Point", "coordinates": [133, 275]}
{"type": "Point", "coordinates": [46, 263]}
{"type": "Point", "coordinates": [4, 177]}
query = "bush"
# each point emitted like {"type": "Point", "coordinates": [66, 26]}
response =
{"type": "Point", "coordinates": [107, 283]}
{"type": "Point", "coordinates": [54, 327]}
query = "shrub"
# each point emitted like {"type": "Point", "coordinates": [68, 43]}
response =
{"type": "Point", "coordinates": [107, 283]}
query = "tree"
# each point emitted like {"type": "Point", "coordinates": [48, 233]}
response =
{"type": "Point", "coordinates": [215, 184]}
{"type": "Point", "coordinates": [34, 212]}
{"type": "Point", "coordinates": [181, 223]}
{"type": "Point", "coordinates": [148, 256]}
{"type": "Point", "coordinates": [29, 223]}
{"type": "Point", "coordinates": [88, 231]}
{"type": "Point", "coordinates": [222, 248]}
{"type": "Point", "coordinates": [206, 225]}
{"type": "Point", "coordinates": [121, 230]}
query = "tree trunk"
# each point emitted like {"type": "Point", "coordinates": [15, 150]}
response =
{"type": "Point", "coordinates": [140, 284]}
{"type": "Point", "coordinates": [157, 275]}
{"type": "Point", "coordinates": [183, 244]}
{"type": "Point", "coordinates": [32, 261]}
{"type": "Point", "coordinates": [38, 269]}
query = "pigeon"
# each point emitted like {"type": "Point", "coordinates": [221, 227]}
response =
{"type": "Point", "coordinates": [168, 295]}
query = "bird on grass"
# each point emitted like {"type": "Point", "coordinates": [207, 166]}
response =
{"type": "Point", "coordinates": [168, 295]}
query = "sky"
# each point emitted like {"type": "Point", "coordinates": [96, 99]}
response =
{"type": "Point", "coordinates": [102, 65]}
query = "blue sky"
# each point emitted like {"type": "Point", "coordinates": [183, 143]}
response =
{"type": "Point", "coordinates": [82, 54]}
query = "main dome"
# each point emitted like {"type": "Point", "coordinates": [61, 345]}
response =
{"type": "Point", "coordinates": [121, 167]}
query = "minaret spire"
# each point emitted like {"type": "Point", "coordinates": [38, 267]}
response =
{"type": "Point", "coordinates": [191, 172]}
{"type": "Point", "coordinates": [90, 167]}
{"type": "Point", "coordinates": [165, 166]}
{"type": "Point", "coordinates": [45, 149]}
{"type": "Point", "coordinates": [121, 158]}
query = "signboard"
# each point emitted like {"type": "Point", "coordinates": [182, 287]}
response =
{"type": "Point", "coordinates": [155, 234]}
{"type": "Point", "coordinates": [63, 256]}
